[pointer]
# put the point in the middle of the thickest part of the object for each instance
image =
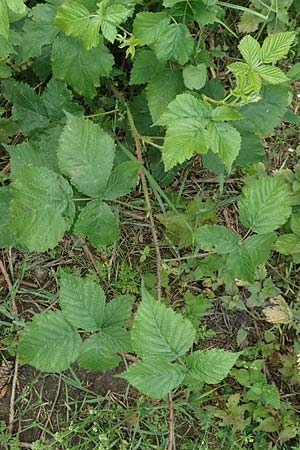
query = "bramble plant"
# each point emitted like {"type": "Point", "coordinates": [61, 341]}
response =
{"type": "Point", "coordinates": [101, 94]}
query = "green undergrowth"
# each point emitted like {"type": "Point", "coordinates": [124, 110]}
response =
{"type": "Point", "coordinates": [149, 224]}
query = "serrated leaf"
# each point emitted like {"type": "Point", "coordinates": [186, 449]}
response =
{"type": "Point", "coordinates": [98, 353]}
{"type": "Point", "coordinates": [295, 223]}
{"type": "Point", "coordinates": [250, 50]}
{"type": "Point", "coordinates": [239, 68]}
{"type": "Point", "coordinates": [82, 301]}
{"type": "Point", "coordinates": [248, 23]}
{"type": "Point", "coordinates": [252, 150]}
{"type": "Point", "coordinates": [117, 311]}
{"type": "Point", "coordinates": [265, 204]}
{"type": "Point", "coordinates": [263, 116]}
{"type": "Point", "coordinates": [98, 223]}
{"type": "Point", "coordinates": [194, 77]}
{"type": "Point", "coordinates": [18, 7]}
{"type": "Point", "coordinates": [287, 244]}
{"type": "Point", "coordinates": [243, 262]}
{"type": "Point", "coordinates": [154, 378]}
{"type": "Point", "coordinates": [185, 106]}
{"type": "Point", "coordinates": [5, 70]}
{"type": "Point", "coordinates": [183, 138]}
{"type": "Point", "coordinates": [80, 68]}
{"type": "Point", "coordinates": [162, 89]}
{"type": "Point", "coordinates": [145, 67]}
{"type": "Point", "coordinates": [120, 338]}
{"type": "Point", "coordinates": [159, 332]}
{"type": "Point", "coordinates": [278, 311]}
{"type": "Point", "coordinates": [7, 239]}
{"type": "Point", "coordinates": [209, 366]}
{"type": "Point", "coordinates": [38, 31]}
{"type": "Point", "coordinates": [222, 113]}
{"type": "Point", "coordinates": [85, 154]}
{"type": "Point", "coordinates": [271, 74]}
{"type": "Point", "coordinates": [277, 46]}
{"type": "Point", "coordinates": [224, 140]}
{"type": "Point", "coordinates": [111, 15]}
{"type": "Point", "coordinates": [41, 208]}
{"type": "Point", "coordinates": [122, 180]}
{"type": "Point", "coordinates": [175, 42]}
{"type": "Point", "coordinates": [49, 343]}
{"type": "Point", "coordinates": [216, 238]}
{"type": "Point", "coordinates": [58, 100]}
{"type": "Point", "coordinates": [148, 26]}
{"type": "Point", "coordinates": [28, 108]}
{"type": "Point", "coordinates": [72, 18]}
{"type": "Point", "coordinates": [4, 20]}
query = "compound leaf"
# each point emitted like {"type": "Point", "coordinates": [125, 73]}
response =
{"type": "Point", "coordinates": [98, 223]}
{"type": "Point", "coordinates": [159, 332]}
{"type": "Point", "coordinates": [110, 17]}
{"type": "Point", "coordinates": [79, 67]}
{"type": "Point", "coordinates": [154, 378]}
{"type": "Point", "coordinates": [209, 366]}
{"type": "Point", "coordinates": [86, 154]}
{"type": "Point", "coordinates": [49, 343]}
{"type": "Point", "coordinates": [225, 141]}
{"type": "Point", "coordinates": [41, 209]}
{"type": "Point", "coordinates": [265, 204]}
{"type": "Point", "coordinates": [82, 301]}
{"type": "Point", "coordinates": [72, 18]}
{"type": "Point", "coordinates": [271, 74]}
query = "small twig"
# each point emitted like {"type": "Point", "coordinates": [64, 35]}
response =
{"type": "Point", "coordinates": [12, 399]}
{"type": "Point", "coordinates": [170, 423]}
{"type": "Point", "coordinates": [6, 276]}
{"type": "Point", "coordinates": [138, 149]}
{"type": "Point", "coordinates": [25, 445]}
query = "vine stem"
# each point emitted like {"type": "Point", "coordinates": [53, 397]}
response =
{"type": "Point", "coordinates": [138, 150]}
{"type": "Point", "coordinates": [170, 423]}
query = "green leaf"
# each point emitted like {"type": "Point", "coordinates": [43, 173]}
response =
{"type": "Point", "coordinates": [79, 67]}
{"type": "Point", "coordinates": [175, 42]}
{"type": "Point", "coordinates": [82, 301]}
{"type": "Point", "coordinates": [243, 262]}
{"type": "Point", "coordinates": [159, 332]}
{"type": "Point", "coordinates": [36, 153]}
{"type": "Point", "coordinates": [17, 7]}
{"type": "Point", "coordinates": [287, 244]}
{"type": "Point", "coordinates": [72, 18]}
{"type": "Point", "coordinates": [225, 113]}
{"type": "Point", "coordinates": [5, 70]}
{"type": "Point", "coordinates": [98, 223]}
{"type": "Point", "coordinates": [28, 108]}
{"type": "Point", "coordinates": [250, 50]}
{"type": "Point", "coordinates": [216, 238]}
{"type": "Point", "coordinates": [252, 150]}
{"type": "Point", "coordinates": [271, 74]}
{"type": "Point", "coordinates": [277, 46]}
{"type": "Point", "coordinates": [120, 338]}
{"type": "Point", "coordinates": [117, 311]}
{"type": "Point", "coordinates": [185, 106]}
{"type": "Point", "coordinates": [38, 31]}
{"type": "Point", "coordinates": [41, 209]}
{"type": "Point", "coordinates": [265, 204]}
{"type": "Point", "coordinates": [122, 180]}
{"type": "Point", "coordinates": [148, 26]}
{"type": "Point", "coordinates": [58, 100]}
{"type": "Point", "coordinates": [224, 140]}
{"type": "Point", "coordinates": [209, 366]}
{"type": "Point", "coordinates": [98, 353]}
{"type": "Point", "coordinates": [4, 21]}
{"type": "Point", "coordinates": [145, 67]}
{"type": "Point", "coordinates": [263, 116]}
{"type": "Point", "coordinates": [85, 154]}
{"type": "Point", "coordinates": [162, 89]}
{"type": "Point", "coordinates": [194, 77]}
{"type": "Point", "coordinates": [110, 17]}
{"type": "Point", "coordinates": [183, 138]}
{"type": "Point", "coordinates": [7, 239]}
{"type": "Point", "coordinates": [48, 342]}
{"type": "Point", "coordinates": [295, 223]}
{"type": "Point", "coordinates": [154, 378]}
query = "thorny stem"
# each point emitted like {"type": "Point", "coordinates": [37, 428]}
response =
{"type": "Point", "coordinates": [138, 150]}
